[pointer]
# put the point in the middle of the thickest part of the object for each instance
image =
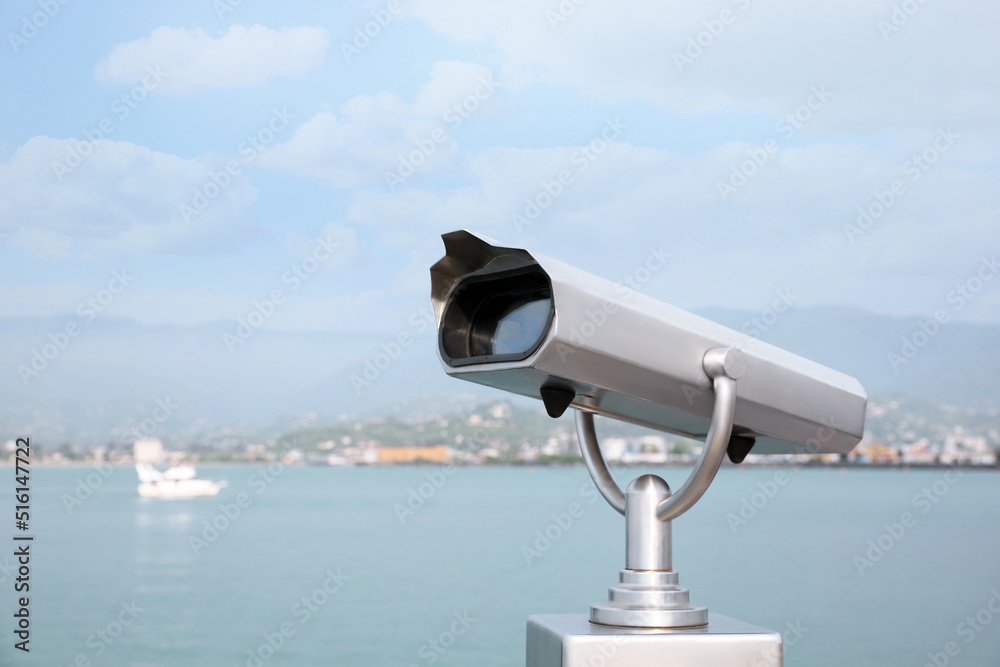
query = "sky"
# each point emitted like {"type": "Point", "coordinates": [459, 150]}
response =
{"type": "Point", "coordinates": [196, 162]}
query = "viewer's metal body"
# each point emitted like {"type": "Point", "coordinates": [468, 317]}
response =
{"type": "Point", "coordinates": [533, 326]}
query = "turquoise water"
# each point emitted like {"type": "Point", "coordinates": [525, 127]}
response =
{"type": "Point", "coordinates": [457, 569]}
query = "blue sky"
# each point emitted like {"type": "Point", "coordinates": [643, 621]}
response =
{"type": "Point", "coordinates": [697, 91]}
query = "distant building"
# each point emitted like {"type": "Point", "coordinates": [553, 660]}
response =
{"type": "Point", "coordinates": [335, 460]}
{"type": "Point", "coordinates": [365, 455]}
{"type": "Point", "coordinates": [432, 454]}
{"type": "Point", "coordinates": [614, 448]}
{"type": "Point", "coordinates": [148, 450]}
{"type": "Point", "coordinates": [500, 411]}
{"type": "Point", "coordinates": [653, 444]}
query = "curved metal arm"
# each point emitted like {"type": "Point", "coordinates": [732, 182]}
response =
{"type": "Point", "coordinates": [598, 468]}
{"type": "Point", "coordinates": [711, 456]}
{"type": "Point", "coordinates": [724, 366]}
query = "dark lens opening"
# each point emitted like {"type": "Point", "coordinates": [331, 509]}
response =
{"type": "Point", "coordinates": [510, 323]}
{"type": "Point", "coordinates": [497, 317]}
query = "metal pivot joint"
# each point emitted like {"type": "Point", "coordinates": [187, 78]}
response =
{"type": "Point", "coordinates": [648, 594]}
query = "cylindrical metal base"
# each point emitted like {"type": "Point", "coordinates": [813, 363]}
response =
{"type": "Point", "coordinates": [647, 595]}
{"type": "Point", "coordinates": [648, 600]}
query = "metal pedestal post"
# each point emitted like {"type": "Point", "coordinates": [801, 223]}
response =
{"type": "Point", "coordinates": [648, 619]}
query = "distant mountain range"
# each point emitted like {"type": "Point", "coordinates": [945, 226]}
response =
{"type": "Point", "coordinates": [117, 377]}
{"type": "Point", "coordinates": [959, 364]}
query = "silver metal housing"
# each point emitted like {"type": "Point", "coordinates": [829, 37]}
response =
{"type": "Point", "coordinates": [626, 355]}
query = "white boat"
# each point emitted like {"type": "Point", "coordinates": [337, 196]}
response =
{"type": "Point", "coordinates": [176, 482]}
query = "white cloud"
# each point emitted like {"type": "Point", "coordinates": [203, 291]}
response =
{"type": "Point", "coordinates": [349, 252]}
{"type": "Point", "coordinates": [193, 61]}
{"type": "Point", "coordinates": [40, 300]}
{"type": "Point", "coordinates": [376, 134]}
{"type": "Point", "coordinates": [784, 229]}
{"type": "Point", "coordinates": [452, 82]}
{"type": "Point", "coordinates": [367, 310]}
{"type": "Point", "coordinates": [939, 67]}
{"type": "Point", "coordinates": [118, 199]}
{"type": "Point", "coordinates": [298, 312]}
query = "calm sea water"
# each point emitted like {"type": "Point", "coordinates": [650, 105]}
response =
{"type": "Point", "coordinates": [456, 572]}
